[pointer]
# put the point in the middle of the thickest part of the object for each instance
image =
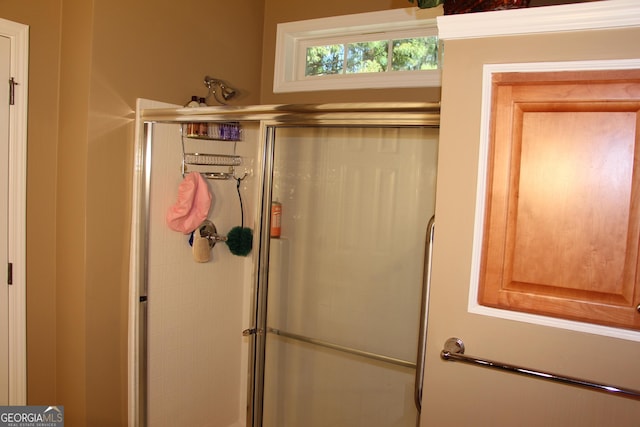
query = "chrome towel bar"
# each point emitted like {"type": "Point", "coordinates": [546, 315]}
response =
{"type": "Point", "coordinates": [368, 355]}
{"type": "Point", "coordinates": [454, 351]}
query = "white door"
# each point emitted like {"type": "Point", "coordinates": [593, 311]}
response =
{"type": "Point", "coordinates": [14, 60]}
{"type": "Point", "coordinates": [5, 62]}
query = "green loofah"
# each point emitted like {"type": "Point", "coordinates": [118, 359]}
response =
{"type": "Point", "coordinates": [240, 241]}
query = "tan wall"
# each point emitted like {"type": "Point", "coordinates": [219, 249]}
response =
{"type": "Point", "coordinates": [162, 51]}
{"type": "Point", "coordinates": [89, 61]}
{"type": "Point", "coordinates": [510, 399]}
{"type": "Point", "coordinates": [71, 210]}
{"type": "Point", "coordinates": [156, 50]}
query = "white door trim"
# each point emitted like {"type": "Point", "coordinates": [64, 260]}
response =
{"type": "Point", "coordinates": [473, 305]}
{"type": "Point", "coordinates": [19, 36]}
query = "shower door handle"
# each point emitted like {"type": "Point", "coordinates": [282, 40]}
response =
{"type": "Point", "coordinates": [424, 306]}
{"type": "Point", "coordinates": [252, 331]}
{"type": "Point", "coordinates": [249, 332]}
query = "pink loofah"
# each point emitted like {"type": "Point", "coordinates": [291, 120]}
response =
{"type": "Point", "coordinates": [192, 206]}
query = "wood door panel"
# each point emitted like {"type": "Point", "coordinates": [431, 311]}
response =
{"type": "Point", "coordinates": [561, 222]}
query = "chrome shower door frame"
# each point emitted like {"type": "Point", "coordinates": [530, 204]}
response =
{"type": "Point", "coordinates": [259, 331]}
{"type": "Point", "coordinates": [270, 118]}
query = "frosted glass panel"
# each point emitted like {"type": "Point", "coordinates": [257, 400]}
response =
{"type": "Point", "coordinates": [347, 270]}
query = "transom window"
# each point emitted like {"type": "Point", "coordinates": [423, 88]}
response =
{"type": "Point", "coordinates": [379, 56]}
{"type": "Point", "coordinates": [395, 48]}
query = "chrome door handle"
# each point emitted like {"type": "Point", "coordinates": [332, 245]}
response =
{"type": "Point", "coordinates": [252, 331]}
{"type": "Point", "coordinates": [424, 307]}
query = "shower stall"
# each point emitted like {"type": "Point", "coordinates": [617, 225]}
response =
{"type": "Point", "coordinates": [324, 322]}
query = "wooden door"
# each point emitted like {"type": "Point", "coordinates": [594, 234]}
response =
{"type": "Point", "coordinates": [562, 226]}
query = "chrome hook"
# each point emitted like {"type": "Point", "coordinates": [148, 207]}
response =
{"type": "Point", "coordinates": [208, 231]}
{"type": "Point", "coordinates": [240, 178]}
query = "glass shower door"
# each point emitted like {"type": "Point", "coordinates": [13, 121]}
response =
{"type": "Point", "coordinates": [345, 276]}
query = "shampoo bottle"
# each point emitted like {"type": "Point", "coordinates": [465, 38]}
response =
{"type": "Point", "coordinates": [204, 127]}
{"type": "Point", "coordinates": [193, 129]}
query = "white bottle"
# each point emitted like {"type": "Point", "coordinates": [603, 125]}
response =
{"type": "Point", "coordinates": [194, 102]}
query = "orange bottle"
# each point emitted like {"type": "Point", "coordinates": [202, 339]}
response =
{"type": "Point", "coordinates": [276, 218]}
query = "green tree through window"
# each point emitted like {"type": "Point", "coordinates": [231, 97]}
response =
{"type": "Point", "coordinates": [323, 60]}
{"type": "Point", "coordinates": [367, 57]}
{"type": "Point", "coordinates": [415, 54]}
{"type": "Point", "coordinates": [409, 54]}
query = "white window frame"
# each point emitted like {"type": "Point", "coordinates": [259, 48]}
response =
{"type": "Point", "coordinates": [293, 38]}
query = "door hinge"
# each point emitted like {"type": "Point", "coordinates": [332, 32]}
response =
{"type": "Point", "coordinates": [12, 91]}
{"type": "Point", "coordinates": [10, 274]}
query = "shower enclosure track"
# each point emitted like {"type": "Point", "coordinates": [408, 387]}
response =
{"type": "Point", "coordinates": [350, 350]}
